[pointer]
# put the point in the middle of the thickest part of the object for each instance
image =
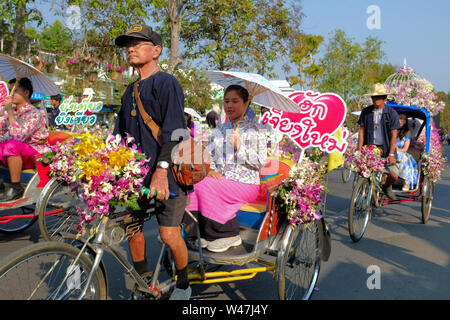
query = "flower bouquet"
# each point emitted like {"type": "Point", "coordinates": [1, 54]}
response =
{"type": "Point", "coordinates": [102, 168]}
{"type": "Point", "coordinates": [351, 149]}
{"type": "Point", "coordinates": [366, 162]}
{"type": "Point", "coordinates": [288, 149]}
{"type": "Point", "coordinates": [300, 196]}
{"type": "Point", "coordinates": [114, 72]}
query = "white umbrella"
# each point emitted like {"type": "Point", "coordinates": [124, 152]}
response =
{"type": "Point", "coordinates": [11, 68]}
{"type": "Point", "coordinates": [260, 89]}
{"type": "Point", "coordinates": [192, 112]}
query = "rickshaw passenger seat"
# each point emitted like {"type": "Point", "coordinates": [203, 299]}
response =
{"type": "Point", "coordinates": [58, 136]}
{"type": "Point", "coordinates": [27, 174]}
{"type": "Point", "coordinates": [416, 149]}
{"type": "Point", "coordinates": [251, 215]}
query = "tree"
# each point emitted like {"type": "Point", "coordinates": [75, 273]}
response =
{"type": "Point", "coordinates": [56, 38]}
{"type": "Point", "coordinates": [301, 54]}
{"type": "Point", "coordinates": [174, 12]}
{"type": "Point", "coordinates": [16, 14]}
{"type": "Point", "coordinates": [197, 90]}
{"type": "Point", "coordinates": [445, 115]}
{"type": "Point", "coordinates": [247, 35]}
{"type": "Point", "coordinates": [350, 68]}
{"type": "Point", "coordinates": [32, 40]}
{"type": "Point", "coordinates": [109, 19]}
{"type": "Point", "coordinates": [341, 70]}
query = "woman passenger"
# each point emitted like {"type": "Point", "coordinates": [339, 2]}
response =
{"type": "Point", "coordinates": [23, 134]}
{"type": "Point", "coordinates": [406, 164]}
{"type": "Point", "coordinates": [238, 150]}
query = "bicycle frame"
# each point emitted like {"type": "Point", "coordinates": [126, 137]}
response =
{"type": "Point", "coordinates": [272, 234]}
{"type": "Point", "coordinates": [196, 275]}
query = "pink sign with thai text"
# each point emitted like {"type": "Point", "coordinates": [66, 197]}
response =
{"type": "Point", "coordinates": [3, 91]}
{"type": "Point", "coordinates": [317, 122]}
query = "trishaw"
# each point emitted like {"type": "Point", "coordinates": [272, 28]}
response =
{"type": "Point", "coordinates": [367, 193]}
{"type": "Point", "coordinates": [75, 270]}
{"type": "Point", "coordinates": [10, 219]}
{"type": "Point", "coordinates": [34, 181]}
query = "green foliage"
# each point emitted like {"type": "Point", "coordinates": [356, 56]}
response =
{"type": "Point", "coordinates": [14, 14]}
{"type": "Point", "coordinates": [103, 20]}
{"type": "Point", "coordinates": [32, 33]}
{"type": "Point", "coordinates": [341, 70]}
{"type": "Point", "coordinates": [244, 35]}
{"type": "Point", "coordinates": [304, 47]}
{"type": "Point", "coordinates": [56, 38]}
{"type": "Point", "coordinates": [350, 68]}
{"type": "Point", "coordinates": [197, 90]}
{"type": "Point", "coordinates": [445, 115]}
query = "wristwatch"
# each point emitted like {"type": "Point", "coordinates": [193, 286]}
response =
{"type": "Point", "coordinates": [162, 165]}
{"type": "Point", "coordinates": [392, 154]}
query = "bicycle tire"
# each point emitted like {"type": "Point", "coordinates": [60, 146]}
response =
{"type": "Point", "coordinates": [20, 273]}
{"type": "Point", "coordinates": [17, 225]}
{"type": "Point", "coordinates": [298, 263]}
{"type": "Point", "coordinates": [427, 198]}
{"type": "Point", "coordinates": [358, 210]}
{"type": "Point", "coordinates": [56, 197]}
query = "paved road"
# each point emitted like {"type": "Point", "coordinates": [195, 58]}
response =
{"type": "Point", "coordinates": [413, 259]}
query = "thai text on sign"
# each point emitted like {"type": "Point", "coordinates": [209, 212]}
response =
{"type": "Point", "coordinates": [315, 124]}
{"type": "Point", "coordinates": [78, 113]}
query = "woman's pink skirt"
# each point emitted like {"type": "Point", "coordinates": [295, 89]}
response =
{"type": "Point", "coordinates": [219, 200]}
{"type": "Point", "coordinates": [18, 149]}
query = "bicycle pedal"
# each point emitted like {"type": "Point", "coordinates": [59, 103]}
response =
{"type": "Point", "coordinates": [139, 294]}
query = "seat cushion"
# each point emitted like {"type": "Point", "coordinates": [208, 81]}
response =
{"type": "Point", "coordinates": [58, 136]}
{"type": "Point", "coordinates": [274, 172]}
{"type": "Point", "coordinates": [251, 215]}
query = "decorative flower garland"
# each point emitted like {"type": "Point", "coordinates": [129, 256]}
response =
{"type": "Point", "coordinates": [104, 170]}
{"type": "Point", "coordinates": [300, 196]}
{"type": "Point", "coordinates": [433, 162]}
{"type": "Point", "coordinates": [287, 149]}
{"type": "Point", "coordinates": [351, 149]}
{"type": "Point", "coordinates": [409, 90]}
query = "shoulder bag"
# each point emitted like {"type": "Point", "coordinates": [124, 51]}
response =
{"type": "Point", "coordinates": [190, 161]}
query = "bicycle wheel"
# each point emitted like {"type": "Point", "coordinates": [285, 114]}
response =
{"type": "Point", "coordinates": [12, 221]}
{"type": "Point", "coordinates": [298, 262]}
{"type": "Point", "coordinates": [56, 208]}
{"type": "Point", "coordinates": [46, 271]}
{"type": "Point", "coordinates": [360, 209]}
{"type": "Point", "coordinates": [427, 198]}
{"type": "Point", "coordinates": [346, 173]}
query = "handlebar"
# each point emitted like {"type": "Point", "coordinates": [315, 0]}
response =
{"type": "Point", "coordinates": [147, 191]}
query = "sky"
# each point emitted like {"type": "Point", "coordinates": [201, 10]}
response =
{"type": "Point", "coordinates": [413, 29]}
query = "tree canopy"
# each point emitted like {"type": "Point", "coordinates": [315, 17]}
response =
{"type": "Point", "coordinates": [56, 38]}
